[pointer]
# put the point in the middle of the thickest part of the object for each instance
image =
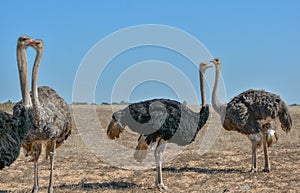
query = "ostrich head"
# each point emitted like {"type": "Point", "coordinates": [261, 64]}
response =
{"type": "Point", "coordinates": [25, 41]}
{"type": "Point", "coordinates": [216, 62]}
{"type": "Point", "coordinates": [204, 66]}
{"type": "Point", "coordinates": [38, 45]}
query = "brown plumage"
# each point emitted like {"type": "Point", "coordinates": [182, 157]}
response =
{"type": "Point", "coordinates": [253, 113]}
{"type": "Point", "coordinates": [52, 122]}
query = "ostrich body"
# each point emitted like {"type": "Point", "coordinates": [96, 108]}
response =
{"type": "Point", "coordinates": [14, 129]}
{"type": "Point", "coordinates": [161, 121]}
{"type": "Point", "coordinates": [52, 122]}
{"type": "Point", "coordinates": [10, 143]}
{"type": "Point", "coordinates": [252, 113]}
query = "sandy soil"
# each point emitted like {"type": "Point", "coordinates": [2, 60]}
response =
{"type": "Point", "coordinates": [223, 168]}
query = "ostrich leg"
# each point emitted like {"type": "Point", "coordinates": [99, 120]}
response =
{"type": "Point", "coordinates": [37, 147]}
{"type": "Point", "coordinates": [254, 152]}
{"type": "Point", "coordinates": [52, 152]}
{"type": "Point", "coordinates": [161, 145]}
{"type": "Point", "coordinates": [267, 166]}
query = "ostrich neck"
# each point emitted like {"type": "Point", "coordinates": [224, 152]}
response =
{"type": "Point", "coordinates": [204, 112]}
{"type": "Point", "coordinates": [23, 75]}
{"type": "Point", "coordinates": [34, 84]}
{"type": "Point", "coordinates": [202, 88]}
{"type": "Point", "coordinates": [215, 101]}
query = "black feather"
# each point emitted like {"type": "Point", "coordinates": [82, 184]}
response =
{"type": "Point", "coordinates": [163, 118]}
{"type": "Point", "coordinates": [13, 131]}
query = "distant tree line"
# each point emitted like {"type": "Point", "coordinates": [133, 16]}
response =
{"type": "Point", "coordinates": [79, 103]}
{"type": "Point", "coordinates": [103, 103]}
{"type": "Point", "coordinates": [115, 103]}
{"type": "Point", "coordinates": [7, 106]}
{"type": "Point", "coordinates": [8, 102]}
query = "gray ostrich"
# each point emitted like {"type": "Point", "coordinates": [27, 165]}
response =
{"type": "Point", "coordinates": [161, 121]}
{"type": "Point", "coordinates": [52, 122]}
{"type": "Point", "coordinates": [13, 130]}
{"type": "Point", "coordinates": [252, 113]}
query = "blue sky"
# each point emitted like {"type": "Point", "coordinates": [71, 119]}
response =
{"type": "Point", "coordinates": [258, 43]}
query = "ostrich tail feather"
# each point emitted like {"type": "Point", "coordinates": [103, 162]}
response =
{"type": "Point", "coordinates": [285, 119]}
{"type": "Point", "coordinates": [141, 149]}
{"type": "Point", "coordinates": [114, 130]}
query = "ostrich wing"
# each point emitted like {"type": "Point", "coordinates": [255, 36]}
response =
{"type": "Point", "coordinates": [245, 111]}
{"type": "Point", "coordinates": [56, 114]}
{"type": "Point", "coordinates": [144, 117]}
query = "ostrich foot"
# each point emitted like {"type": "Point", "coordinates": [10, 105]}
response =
{"type": "Point", "coordinates": [35, 190]}
{"type": "Point", "coordinates": [50, 190]}
{"type": "Point", "coordinates": [266, 170]}
{"type": "Point", "coordinates": [161, 187]}
{"type": "Point", "coordinates": [141, 149]}
{"type": "Point", "coordinates": [253, 170]}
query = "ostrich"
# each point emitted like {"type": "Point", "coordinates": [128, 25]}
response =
{"type": "Point", "coordinates": [13, 130]}
{"type": "Point", "coordinates": [52, 122]}
{"type": "Point", "coordinates": [252, 113]}
{"type": "Point", "coordinates": [161, 121]}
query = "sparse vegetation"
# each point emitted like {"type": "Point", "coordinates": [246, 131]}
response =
{"type": "Point", "coordinates": [7, 106]}
{"type": "Point", "coordinates": [120, 103]}
{"type": "Point", "coordinates": [79, 103]}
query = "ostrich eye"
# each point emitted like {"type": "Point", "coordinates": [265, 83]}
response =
{"type": "Point", "coordinates": [24, 39]}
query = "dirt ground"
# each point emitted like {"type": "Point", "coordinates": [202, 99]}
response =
{"type": "Point", "coordinates": [223, 168]}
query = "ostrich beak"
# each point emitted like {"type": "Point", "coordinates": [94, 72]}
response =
{"type": "Point", "coordinates": [31, 41]}
{"type": "Point", "coordinates": [210, 66]}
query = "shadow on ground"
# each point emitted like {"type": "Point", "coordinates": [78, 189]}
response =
{"type": "Point", "coordinates": [94, 186]}
{"type": "Point", "coordinates": [203, 171]}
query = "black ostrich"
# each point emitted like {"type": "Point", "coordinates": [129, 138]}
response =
{"type": "Point", "coordinates": [161, 121]}
{"type": "Point", "coordinates": [13, 129]}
